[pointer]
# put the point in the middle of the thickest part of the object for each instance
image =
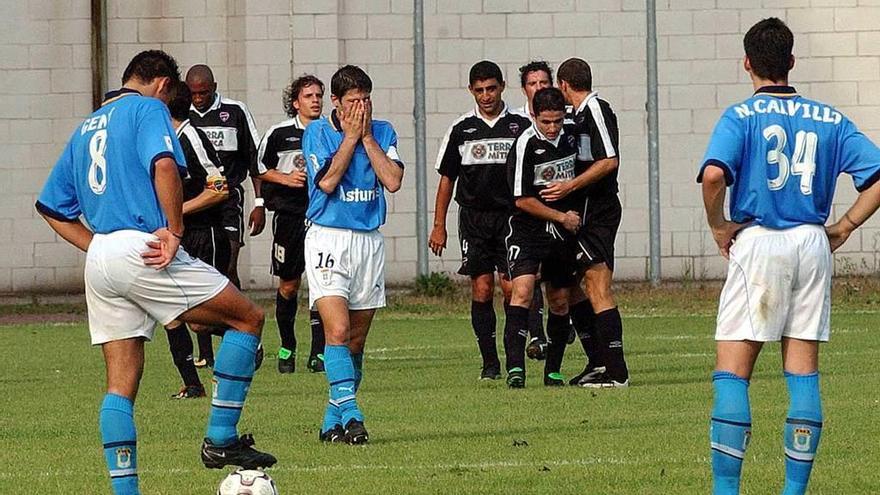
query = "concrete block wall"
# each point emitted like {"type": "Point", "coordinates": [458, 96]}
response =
{"type": "Point", "coordinates": [255, 46]}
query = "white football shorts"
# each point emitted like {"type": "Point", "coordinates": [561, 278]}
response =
{"type": "Point", "coordinates": [778, 285]}
{"type": "Point", "coordinates": [126, 298]}
{"type": "Point", "coordinates": [346, 263]}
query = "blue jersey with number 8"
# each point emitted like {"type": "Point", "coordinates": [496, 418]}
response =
{"type": "Point", "coordinates": [781, 155]}
{"type": "Point", "coordinates": [105, 172]}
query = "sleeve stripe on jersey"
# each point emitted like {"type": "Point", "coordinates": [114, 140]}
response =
{"type": "Point", "coordinates": [49, 212]}
{"type": "Point", "coordinates": [870, 182]}
{"type": "Point", "coordinates": [521, 143]}
{"type": "Point", "coordinates": [728, 174]}
{"type": "Point", "coordinates": [255, 136]}
{"type": "Point", "coordinates": [196, 142]}
{"type": "Point", "coordinates": [599, 118]}
{"type": "Point", "coordinates": [445, 143]}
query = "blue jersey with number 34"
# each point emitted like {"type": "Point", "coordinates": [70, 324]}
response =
{"type": "Point", "coordinates": [105, 172]}
{"type": "Point", "coordinates": [781, 155]}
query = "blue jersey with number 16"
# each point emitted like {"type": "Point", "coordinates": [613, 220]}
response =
{"type": "Point", "coordinates": [105, 172]}
{"type": "Point", "coordinates": [781, 155]}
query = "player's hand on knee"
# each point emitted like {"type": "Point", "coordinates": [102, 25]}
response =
{"type": "Point", "coordinates": [724, 236]}
{"type": "Point", "coordinates": [571, 221]}
{"type": "Point", "coordinates": [837, 233]}
{"type": "Point", "coordinates": [437, 242]}
{"type": "Point", "coordinates": [161, 251]}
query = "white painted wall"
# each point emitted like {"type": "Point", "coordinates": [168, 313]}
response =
{"type": "Point", "coordinates": [45, 88]}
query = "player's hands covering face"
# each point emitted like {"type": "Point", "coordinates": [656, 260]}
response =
{"type": "Point", "coordinates": [352, 121]}
{"type": "Point", "coordinates": [161, 251]}
{"type": "Point", "coordinates": [367, 129]}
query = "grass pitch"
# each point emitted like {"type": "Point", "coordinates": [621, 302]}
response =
{"type": "Point", "coordinates": [436, 429]}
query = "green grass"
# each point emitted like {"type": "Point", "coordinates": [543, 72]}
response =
{"type": "Point", "coordinates": [434, 428]}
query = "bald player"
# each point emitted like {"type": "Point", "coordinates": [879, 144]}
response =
{"type": "Point", "coordinates": [231, 129]}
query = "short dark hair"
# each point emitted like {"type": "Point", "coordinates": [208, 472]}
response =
{"type": "Point", "coordinates": [180, 101]}
{"type": "Point", "coordinates": [576, 72]}
{"type": "Point", "coordinates": [550, 99]}
{"type": "Point", "coordinates": [534, 66]}
{"type": "Point", "coordinates": [350, 77]}
{"type": "Point", "coordinates": [483, 70]}
{"type": "Point", "coordinates": [768, 46]}
{"type": "Point", "coordinates": [291, 93]}
{"type": "Point", "coordinates": [150, 64]}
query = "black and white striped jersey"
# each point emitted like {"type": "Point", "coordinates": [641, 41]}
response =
{"type": "Point", "coordinates": [474, 152]}
{"type": "Point", "coordinates": [534, 163]}
{"type": "Point", "coordinates": [281, 150]}
{"type": "Point", "coordinates": [598, 137]}
{"type": "Point", "coordinates": [203, 171]}
{"type": "Point", "coordinates": [230, 127]}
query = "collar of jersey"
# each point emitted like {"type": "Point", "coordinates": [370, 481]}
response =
{"type": "Point", "coordinates": [774, 90]}
{"type": "Point", "coordinates": [491, 123]}
{"type": "Point", "coordinates": [298, 123]}
{"type": "Point", "coordinates": [334, 121]}
{"type": "Point", "coordinates": [119, 93]}
{"type": "Point", "coordinates": [541, 136]}
{"type": "Point", "coordinates": [182, 126]}
{"type": "Point", "coordinates": [214, 106]}
{"type": "Point", "coordinates": [583, 105]}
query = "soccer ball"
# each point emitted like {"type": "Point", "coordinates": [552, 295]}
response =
{"type": "Point", "coordinates": [247, 482]}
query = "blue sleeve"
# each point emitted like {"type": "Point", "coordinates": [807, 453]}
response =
{"type": "Point", "coordinates": [156, 138]}
{"type": "Point", "coordinates": [725, 148]}
{"type": "Point", "coordinates": [318, 157]}
{"type": "Point", "coordinates": [858, 157]}
{"type": "Point", "coordinates": [58, 197]}
{"type": "Point", "coordinates": [391, 145]}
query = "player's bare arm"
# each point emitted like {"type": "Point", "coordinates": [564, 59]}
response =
{"type": "Point", "coordinates": [714, 189]}
{"type": "Point", "coordinates": [437, 242]}
{"type": "Point", "coordinates": [533, 206]}
{"type": "Point", "coordinates": [865, 205]}
{"type": "Point", "coordinates": [257, 220]}
{"type": "Point", "coordinates": [598, 170]}
{"type": "Point", "coordinates": [73, 232]}
{"type": "Point", "coordinates": [352, 123]}
{"type": "Point", "coordinates": [169, 191]}
{"type": "Point", "coordinates": [390, 174]}
{"type": "Point", "coordinates": [297, 178]}
{"type": "Point", "coordinates": [206, 199]}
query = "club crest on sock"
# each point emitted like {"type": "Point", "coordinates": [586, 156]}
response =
{"type": "Point", "coordinates": [123, 457]}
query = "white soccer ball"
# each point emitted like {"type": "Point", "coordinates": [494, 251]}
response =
{"type": "Point", "coordinates": [247, 482]}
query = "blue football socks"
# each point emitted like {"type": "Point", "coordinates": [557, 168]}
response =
{"type": "Point", "coordinates": [341, 375]}
{"type": "Point", "coordinates": [120, 443]}
{"type": "Point", "coordinates": [803, 428]}
{"type": "Point", "coordinates": [233, 373]}
{"type": "Point", "coordinates": [358, 361]}
{"type": "Point", "coordinates": [730, 430]}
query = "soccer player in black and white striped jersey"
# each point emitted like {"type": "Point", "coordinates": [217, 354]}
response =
{"type": "Point", "coordinates": [281, 167]}
{"type": "Point", "coordinates": [204, 195]}
{"type": "Point", "coordinates": [231, 129]}
{"type": "Point", "coordinates": [474, 154]}
{"type": "Point", "coordinates": [598, 139]}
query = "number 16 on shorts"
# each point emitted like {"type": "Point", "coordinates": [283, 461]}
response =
{"type": "Point", "coordinates": [324, 266]}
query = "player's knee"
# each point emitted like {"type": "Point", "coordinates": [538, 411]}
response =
{"type": "Point", "coordinates": [288, 288]}
{"type": "Point", "coordinates": [253, 320]}
{"type": "Point", "coordinates": [521, 296]}
{"type": "Point", "coordinates": [481, 290]}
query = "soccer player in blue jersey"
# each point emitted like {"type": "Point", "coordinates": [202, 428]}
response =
{"type": "Point", "coordinates": [780, 155]}
{"type": "Point", "coordinates": [351, 161]}
{"type": "Point", "coordinates": [121, 171]}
